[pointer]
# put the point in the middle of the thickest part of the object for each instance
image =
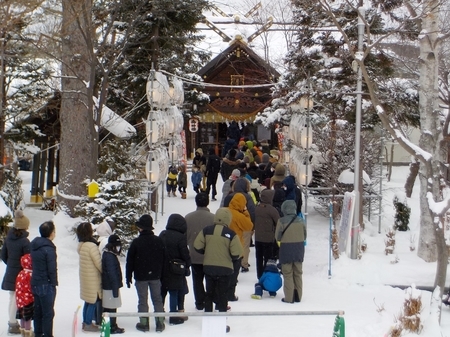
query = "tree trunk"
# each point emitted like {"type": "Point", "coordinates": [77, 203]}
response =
{"type": "Point", "coordinates": [78, 147]}
{"type": "Point", "coordinates": [431, 131]}
{"type": "Point", "coordinates": [413, 172]}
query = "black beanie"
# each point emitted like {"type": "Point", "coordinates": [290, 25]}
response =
{"type": "Point", "coordinates": [114, 240]}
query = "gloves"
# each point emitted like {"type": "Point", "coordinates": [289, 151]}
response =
{"type": "Point", "coordinates": [115, 293]}
{"type": "Point", "coordinates": [187, 272]}
{"type": "Point", "coordinates": [278, 243]}
{"type": "Point", "coordinates": [129, 283]}
{"type": "Point", "coordinates": [304, 243]}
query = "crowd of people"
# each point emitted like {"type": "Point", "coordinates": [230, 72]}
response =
{"type": "Point", "coordinates": [260, 206]}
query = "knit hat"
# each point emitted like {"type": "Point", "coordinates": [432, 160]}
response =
{"type": "Point", "coordinates": [20, 220]}
{"type": "Point", "coordinates": [265, 158]}
{"type": "Point", "coordinates": [222, 217]}
{"type": "Point", "coordinates": [241, 143]}
{"type": "Point", "coordinates": [114, 240]}
{"type": "Point", "coordinates": [145, 222]}
{"type": "Point", "coordinates": [271, 262]}
{"type": "Point", "coordinates": [235, 174]}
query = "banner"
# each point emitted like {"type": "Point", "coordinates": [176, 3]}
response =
{"type": "Point", "coordinates": [345, 225]}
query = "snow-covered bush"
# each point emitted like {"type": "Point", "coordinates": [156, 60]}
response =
{"type": "Point", "coordinates": [402, 213]}
{"type": "Point", "coordinates": [11, 196]}
{"type": "Point", "coordinates": [120, 182]}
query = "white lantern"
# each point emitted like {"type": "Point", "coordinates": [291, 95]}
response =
{"type": "Point", "coordinates": [179, 120]}
{"type": "Point", "coordinates": [176, 91]}
{"type": "Point", "coordinates": [306, 137]}
{"type": "Point", "coordinates": [152, 169]}
{"type": "Point", "coordinates": [304, 174]}
{"type": "Point", "coordinates": [157, 89]}
{"type": "Point", "coordinates": [155, 127]}
{"type": "Point", "coordinates": [170, 116]}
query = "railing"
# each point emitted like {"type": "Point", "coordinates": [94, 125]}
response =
{"type": "Point", "coordinates": [338, 329]}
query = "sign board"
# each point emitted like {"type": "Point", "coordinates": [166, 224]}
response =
{"type": "Point", "coordinates": [193, 125]}
{"type": "Point", "coordinates": [345, 225]}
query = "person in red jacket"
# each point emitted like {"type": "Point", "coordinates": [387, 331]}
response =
{"type": "Point", "coordinates": [24, 296]}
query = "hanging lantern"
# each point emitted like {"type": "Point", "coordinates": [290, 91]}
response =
{"type": "Point", "coordinates": [152, 170]}
{"type": "Point", "coordinates": [170, 117]}
{"type": "Point", "coordinates": [306, 137]}
{"type": "Point", "coordinates": [304, 174]}
{"type": "Point", "coordinates": [154, 127]}
{"type": "Point", "coordinates": [176, 91]}
{"type": "Point", "coordinates": [179, 120]}
{"type": "Point", "coordinates": [157, 89]}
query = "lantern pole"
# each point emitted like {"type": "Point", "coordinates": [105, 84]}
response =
{"type": "Point", "coordinates": [357, 172]}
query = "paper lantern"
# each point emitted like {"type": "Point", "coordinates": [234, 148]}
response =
{"type": "Point", "coordinates": [152, 170]}
{"type": "Point", "coordinates": [157, 89]}
{"type": "Point", "coordinates": [155, 127]}
{"type": "Point", "coordinates": [306, 137]}
{"type": "Point", "coordinates": [176, 91]}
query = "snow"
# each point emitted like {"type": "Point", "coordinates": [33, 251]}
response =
{"type": "Point", "coordinates": [360, 288]}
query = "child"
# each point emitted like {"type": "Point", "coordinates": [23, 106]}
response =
{"type": "Point", "coordinates": [182, 181]}
{"type": "Point", "coordinates": [112, 280]}
{"type": "Point", "coordinates": [24, 296]}
{"type": "Point", "coordinates": [269, 281]}
{"type": "Point", "coordinates": [196, 178]}
{"type": "Point", "coordinates": [171, 182]}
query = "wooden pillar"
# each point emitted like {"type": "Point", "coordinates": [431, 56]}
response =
{"type": "Point", "coordinates": [44, 156]}
{"type": "Point", "coordinates": [50, 169]}
{"type": "Point", "coordinates": [34, 197]}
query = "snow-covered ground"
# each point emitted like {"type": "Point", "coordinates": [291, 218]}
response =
{"type": "Point", "coordinates": [358, 287]}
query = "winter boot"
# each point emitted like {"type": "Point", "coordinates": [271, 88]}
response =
{"type": "Point", "coordinates": [174, 194]}
{"type": "Point", "coordinates": [143, 324]}
{"type": "Point", "coordinates": [91, 328]}
{"type": "Point", "coordinates": [176, 320]}
{"type": "Point", "coordinates": [116, 330]}
{"type": "Point", "coordinates": [160, 326]}
{"type": "Point", "coordinates": [168, 194]}
{"type": "Point", "coordinates": [183, 195]}
{"type": "Point", "coordinates": [14, 328]}
{"type": "Point", "coordinates": [185, 318]}
{"type": "Point", "coordinates": [28, 333]}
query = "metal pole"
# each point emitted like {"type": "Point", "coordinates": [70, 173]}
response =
{"type": "Point", "coordinates": [331, 238]}
{"type": "Point", "coordinates": [381, 180]}
{"type": "Point", "coordinates": [357, 187]}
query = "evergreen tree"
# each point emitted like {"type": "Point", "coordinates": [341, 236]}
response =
{"type": "Point", "coordinates": [402, 214]}
{"type": "Point", "coordinates": [120, 179]}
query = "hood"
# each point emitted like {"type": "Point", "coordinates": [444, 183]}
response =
{"type": "Point", "coordinates": [25, 261]}
{"type": "Point", "coordinates": [241, 185]}
{"type": "Point", "coordinates": [289, 208]}
{"type": "Point", "coordinates": [266, 196]}
{"type": "Point", "coordinates": [177, 222]}
{"type": "Point", "coordinates": [278, 196]}
{"type": "Point", "coordinates": [265, 158]}
{"type": "Point", "coordinates": [199, 151]}
{"type": "Point", "coordinates": [249, 144]}
{"type": "Point", "coordinates": [238, 202]}
{"type": "Point", "coordinates": [230, 142]}
{"type": "Point", "coordinates": [12, 235]}
{"type": "Point", "coordinates": [104, 229]}
{"type": "Point", "coordinates": [39, 242]}
{"type": "Point", "coordinates": [289, 182]}
{"type": "Point", "coordinates": [280, 170]}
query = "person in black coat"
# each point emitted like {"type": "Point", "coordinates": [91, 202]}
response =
{"type": "Point", "coordinates": [112, 280]}
{"type": "Point", "coordinates": [212, 172]}
{"type": "Point", "coordinates": [15, 246]}
{"type": "Point", "coordinates": [175, 241]}
{"type": "Point", "coordinates": [145, 259]}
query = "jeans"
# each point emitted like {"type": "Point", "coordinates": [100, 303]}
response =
{"type": "Point", "coordinates": [44, 301]}
{"type": "Point", "coordinates": [89, 312]}
{"type": "Point", "coordinates": [263, 252]}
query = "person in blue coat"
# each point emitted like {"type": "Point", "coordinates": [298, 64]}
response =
{"type": "Point", "coordinates": [112, 280]}
{"type": "Point", "coordinates": [270, 281]}
{"type": "Point", "coordinates": [196, 178]}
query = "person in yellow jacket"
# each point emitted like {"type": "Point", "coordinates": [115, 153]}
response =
{"type": "Point", "coordinates": [242, 225]}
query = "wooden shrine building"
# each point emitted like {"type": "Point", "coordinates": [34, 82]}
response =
{"type": "Point", "coordinates": [224, 76]}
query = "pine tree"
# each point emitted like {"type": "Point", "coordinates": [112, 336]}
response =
{"type": "Point", "coordinates": [402, 214]}
{"type": "Point", "coordinates": [120, 179]}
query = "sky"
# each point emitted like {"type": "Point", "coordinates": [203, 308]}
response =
{"type": "Point", "coordinates": [360, 288]}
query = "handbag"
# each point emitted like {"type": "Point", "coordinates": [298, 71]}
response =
{"type": "Point", "coordinates": [177, 266]}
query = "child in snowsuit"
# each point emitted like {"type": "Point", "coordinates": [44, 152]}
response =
{"type": "Point", "coordinates": [196, 178]}
{"type": "Point", "coordinates": [171, 181]}
{"type": "Point", "coordinates": [24, 296]}
{"type": "Point", "coordinates": [270, 281]}
{"type": "Point", "coordinates": [112, 280]}
{"type": "Point", "coordinates": [182, 181]}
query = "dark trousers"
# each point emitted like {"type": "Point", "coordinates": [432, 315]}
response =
{"type": "Point", "coordinates": [176, 299]}
{"type": "Point", "coordinates": [211, 181]}
{"type": "Point", "coordinates": [112, 320]}
{"type": "Point", "coordinates": [234, 279]}
{"type": "Point", "coordinates": [197, 283]}
{"type": "Point", "coordinates": [44, 301]}
{"type": "Point", "coordinates": [216, 289]}
{"type": "Point", "coordinates": [263, 252]}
